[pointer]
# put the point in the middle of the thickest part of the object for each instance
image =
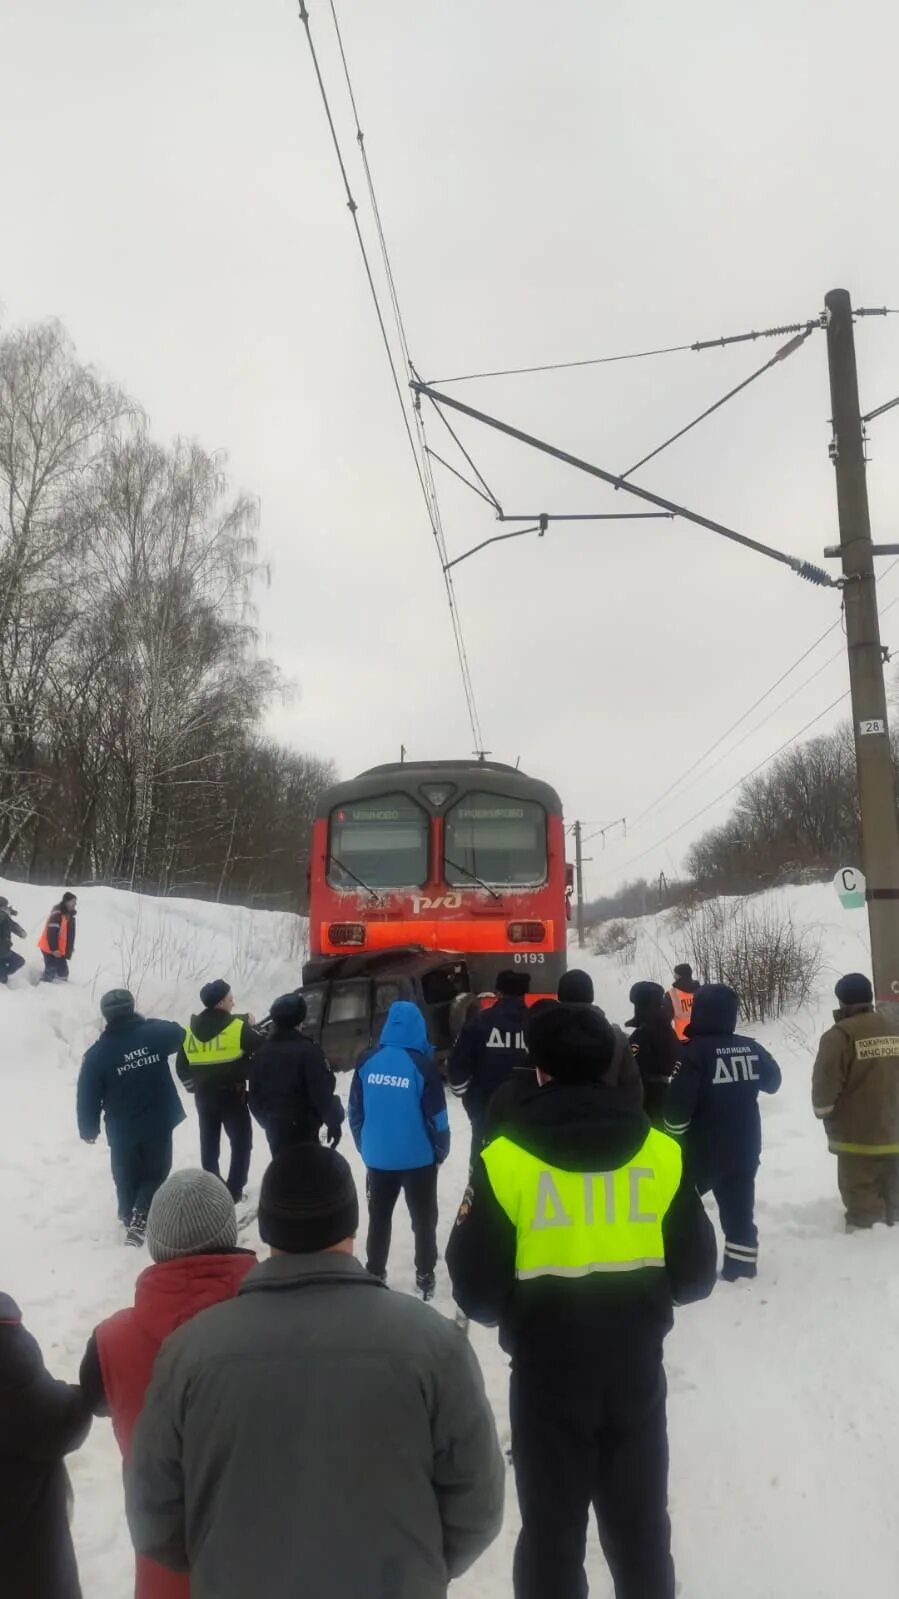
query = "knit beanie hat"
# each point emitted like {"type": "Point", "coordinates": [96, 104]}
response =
{"type": "Point", "coordinates": [212, 994]}
{"type": "Point", "coordinates": [576, 988]}
{"type": "Point", "coordinates": [191, 1214]}
{"type": "Point", "coordinates": [308, 1200]}
{"type": "Point", "coordinates": [854, 989]}
{"type": "Point", "coordinates": [570, 1043]}
{"type": "Point", "coordinates": [117, 1005]}
{"type": "Point", "coordinates": [683, 970]}
{"type": "Point", "coordinates": [289, 1010]}
{"type": "Point", "coordinates": [513, 984]}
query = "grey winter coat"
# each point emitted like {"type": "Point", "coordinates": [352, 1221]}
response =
{"type": "Point", "coordinates": [317, 1435]}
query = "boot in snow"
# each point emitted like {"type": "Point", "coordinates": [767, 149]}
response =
{"type": "Point", "coordinates": [137, 1229]}
{"type": "Point", "coordinates": [426, 1285]}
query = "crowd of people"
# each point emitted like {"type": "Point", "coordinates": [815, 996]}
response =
{"type": "Point", "coordinates": [290, 1424]}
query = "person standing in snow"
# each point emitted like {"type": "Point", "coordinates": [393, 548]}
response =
{"type": "Point", "coordinates": [317, 1434]}
{"type": "Point", "coordinates": [125, 1078]}
{"type": "Point", "coordinates": [213, 1064]}
{"type": "Point", "coordinates": [192, 1240]}
{"type": "Point", "coordinates": [577, 1235]}
{"type": "Point", "coordinates": [41, 1421]}
{"type": "Point", "coordinates": [576, 988]}
{"type": "Point", "coordinates": [400, 1127]}
{"type": "Point", "coordinates": [655, 1046]}
{"type": "Point", "coordinates": [10, 960]}
{"type": "Point", "coordinates": [713, 1108]}
{"type": "Point", "coordinates": [489, 1048]}
{"type": "Point", "coordinates": [57, 941]}
{"type": "Point", "coordinates": [855, 1092]}
{"type": "Point", "coordinates": [291, 1085]}
{"type": "Point", "coordinates": [679, 1000]}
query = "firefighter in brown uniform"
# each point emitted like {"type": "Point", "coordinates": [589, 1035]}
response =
{"type": "Point", "coordinates": [855, 1092]}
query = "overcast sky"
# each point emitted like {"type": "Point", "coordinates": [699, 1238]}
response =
{"type": "Point", "coordinates": [557, 182]}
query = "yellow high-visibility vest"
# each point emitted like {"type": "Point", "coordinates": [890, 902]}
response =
{"type": "Point", "coordinates": [217, 1051]}
{"type": "Point", "coordinates": [574, 1223]}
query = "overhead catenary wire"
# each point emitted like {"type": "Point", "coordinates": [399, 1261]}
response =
{"type": "Point", "coordinates": [420, 458]}
{"type": "Point", "coordinates": [636, 355]}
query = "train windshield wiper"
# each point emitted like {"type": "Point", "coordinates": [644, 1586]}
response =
{"type": "Point", "coordinates": [350, 873]}
{"type": "Point", "coordinates": [474, 877]}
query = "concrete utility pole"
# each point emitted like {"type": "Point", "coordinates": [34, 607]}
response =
{"type": "Point", "coordinates": [579, 882]}
{"type": "Point", "coordinates": [876, 778]}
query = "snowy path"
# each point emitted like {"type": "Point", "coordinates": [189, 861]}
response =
{"type": "Point", "coordinates": [784, 1413]}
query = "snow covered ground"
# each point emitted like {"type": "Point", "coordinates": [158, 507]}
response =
{"type": "Point", "coordinates": [784, 1410]}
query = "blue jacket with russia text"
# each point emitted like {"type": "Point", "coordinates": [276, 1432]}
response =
{"type": "Point", "coordinates": [125, 1076]}
{"type": "Point", "coordinates": [713, 1099]}
{"type": "Point", "coordinates": [397, 1109]}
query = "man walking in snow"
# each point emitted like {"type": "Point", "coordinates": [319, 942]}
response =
{"type": "Point", "coordinates": [577, 1235]}
{"type": "Point", "coordinates": [57, 941]}
{"type": "Point", "coordinates": [213, 1064]}
{"type": "Point", "coordinates": [654, 1044]}
{"type": "Point", "coordinates": [713, 1107]}
{"type": "Point", "coordinates": [317, 1434]}
{"type": "Point", "coordinates": [192, 1240]}
{"type": "Point", "coordinates": [855, 1092]}
{"type": "Point", "coordinates": [400, 1126]}
{"type": "Point", "coordinates": [125, 1078]}
{"type": "Point", "coordinates": [489, 1048]}
{"type": "Point", "coordinates": [10, 960]}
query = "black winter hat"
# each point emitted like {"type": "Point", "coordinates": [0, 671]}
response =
{"type": "Point", "coordinates": [212, 994]}
{"type": "Point", "coordinates": [683, 970]}
{"type": "Point", "coordinates": [570, 1043]}
{"type": "Point", "coordinates": [117, 1005]}
{"type": "Point", "coordinates": [646, 999]}
{"type": "Point", "coordinates": [289, 1010]}
{"type": "Point", "coordinates": [854, 989]}
{"type": "Point", "coordinates": [513, 984]}
{"type": "Point", "coordinates": [576, 988]}
{"type": "Point", "coordinates": [308, 1200]}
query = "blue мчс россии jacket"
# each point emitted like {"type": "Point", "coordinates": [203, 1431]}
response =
{"type": "Point", "coordinates": [397, 1109]}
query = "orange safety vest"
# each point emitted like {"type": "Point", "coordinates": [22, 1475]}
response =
{"type": "Point", "coordinates": [63, 943]}
{"type": "Point", "coordinates": [682, 1010]}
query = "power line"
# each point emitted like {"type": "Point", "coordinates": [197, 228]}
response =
{"type": "Point", "coordinates": [879, 410]}
{"type": "Point", "coordinates": [422, 463]}
{"type": "Point", "coordinates": [740, 780]}
{"type": "Point", "coordinates": [640, 355]}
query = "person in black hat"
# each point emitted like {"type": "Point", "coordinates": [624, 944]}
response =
{"type": "Point", "coordinates": [125, 1078]}
{"type": "Point", "coordinates": [213, 1064]}
{"type": "Point", "coordinates": [291, 1085]}
{"type": "Point", "coordinates": [10, 960]}
{"type": "Point", "coordinates": [577, 1235]}
{"type": "Point", "coordinates": [855, 1093]}
{"type": "Point", "coordinates": [489, 1048]}
{"type": "Point", "coordinates": [576, 988]}
{"type": "Point", "coordinates": [678, 1004]}
{"type": "Point", "coordinates": [654, 1043]}
{"type": "Point", "coordinates": [313, 1372]}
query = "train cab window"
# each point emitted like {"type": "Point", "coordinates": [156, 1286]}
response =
{"type": "Point", "coordinates": [496, 839]}
{"type": "Point", "coordinates": [378, 843]}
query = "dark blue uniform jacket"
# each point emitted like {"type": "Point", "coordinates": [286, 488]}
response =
{"type": "Point", "coordinates": [712, 1103]}
{"type": "Point", "coordinates": [125, 1076]}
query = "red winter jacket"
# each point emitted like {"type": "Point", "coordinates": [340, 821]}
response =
{"type": "Point", "coordinates": [165, 1297]}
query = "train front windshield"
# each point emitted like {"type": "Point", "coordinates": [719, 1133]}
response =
{"type": "Point", "coordinates": [381, 843]}
{"type": "Point", "coordinates": [499, 840]}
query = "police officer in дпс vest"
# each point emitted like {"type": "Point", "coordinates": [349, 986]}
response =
{"type": "Point", "coordinates": [576, 1236]}
{"type": "Point", "coordinates": [213, 1064]}
{"type": "Point", "coordinates": [713, 1107]}
{"type": "Point", "coordinates": [855, 1092]}
{"type": "Point", "coordinates": [489, 1048]}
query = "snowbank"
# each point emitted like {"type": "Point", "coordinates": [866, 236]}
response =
{"type": "Point", "coordinates": [783, 1395]}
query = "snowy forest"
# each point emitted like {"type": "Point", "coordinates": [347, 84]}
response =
{"type": "Point", "coordinates": [132, 689]}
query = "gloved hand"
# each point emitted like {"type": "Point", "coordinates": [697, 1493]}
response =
{"type": "Point", "coordinates": [334, 1136]}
